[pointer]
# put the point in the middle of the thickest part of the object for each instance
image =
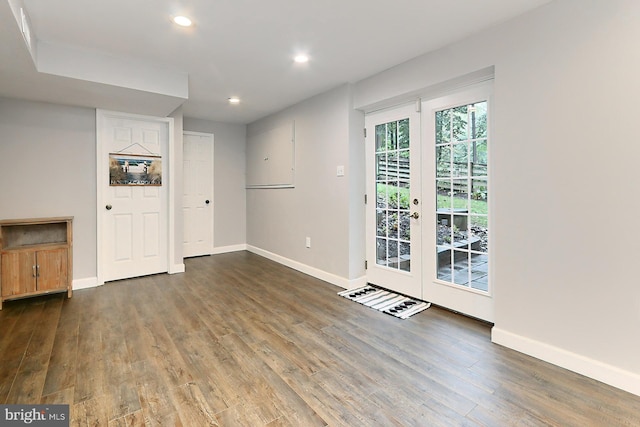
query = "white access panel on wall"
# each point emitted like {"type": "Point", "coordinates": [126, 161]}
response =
{"type": "Point", "coordinates": [271, 158]}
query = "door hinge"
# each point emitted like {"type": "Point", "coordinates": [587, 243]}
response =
{"type": "Point", "coordinates": [365, 199]}
{"type": "Point", "coordinates": [366, 264]}
{"type": "Point", "coordinates": [365, 132]}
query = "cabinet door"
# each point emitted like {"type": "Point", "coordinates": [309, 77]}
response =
{"type": "Point", "coordinates": [18, 273]}
{"type": "Point", "coordinates": [52, 269]}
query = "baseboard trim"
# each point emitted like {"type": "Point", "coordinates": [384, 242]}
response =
{"type": "Point", "coordinates": [600, 371]}
{"type": "Point", "coordinates": [86, 283]}
{"type": "Point", "coordinates": [306, 269]}
{"type": "Point", "coordinates": [230, 248]}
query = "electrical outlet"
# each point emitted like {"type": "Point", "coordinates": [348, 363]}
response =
{"type": "Point", "coordinates": [308, 242]}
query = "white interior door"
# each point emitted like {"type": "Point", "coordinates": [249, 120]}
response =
{"type": "Point", "coordinates": [457, 194]}
{"type": "Point", "coordinates": [198, 194]}
{"type": "Point", "coordinates": [393, 200]}
{"type": "Point", "coordinates": [132, 196]}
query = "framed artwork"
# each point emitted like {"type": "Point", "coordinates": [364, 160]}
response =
{"type": "Point", "coordinates": [134, 169]}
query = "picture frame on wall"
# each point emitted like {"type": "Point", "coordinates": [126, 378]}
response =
{"type": "Point", "coordinates": [135, 169]}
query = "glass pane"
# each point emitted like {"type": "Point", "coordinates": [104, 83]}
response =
{"type": "Point", "coordinates": [405, 256]}
{"type": "Point", "coordinates": [443, 126]}
{"type": "Point", "coordinates": [392, 136]}
{"type": "Point", "coordinates": [393, 194]}
{"type": "Point", "coordinates": [381, 223]}
{"type": "Point", "coordinates": [381, 167]}
{"type": "Point", "coordinates": [381, 251]}
{"type": "Point", "coordinates": [393, 253]}
{"type": "Point", "coordinates": [479, 157]}
{"type": "Point", "coordinates": [478, 118]}
{"type": "Point", "coordinates": [460, 193]}
{"type": "Point", "coordinates": [403, 202]}
{"type": "Point", "coordinates": [460, 160]}
{"type": "Point", "coordinates": [480, 272]}
{"type": "Point", "coordinates": [444, 264]}
{"type": "Point", "coordinates": [405, 226]}
{"type": "Point", "coordinates": [444, 237]}
{"type": "Point", "coordinates": [461, 268]}
{"type": "Point", "coordinates": [381, 134]}
{"type": "Point", "coordinates": [459, 232]}
{"type": "Point", "coordinates": [392, 224]}
{"type": "Point", "coordinates": [443, 198]}
{"type": "Point", "coordinates": [443, 161]}
{"type": "Point", "coordinates": [403, 165]}
{"type": "Point", "coordinates": [459, 123]}
{"type": "Point", "coordinates": [479, 233]}
{"type": "Point", "coordinates": [392, 165]}
{"type": "Point", "coordinates": [479, 196]}
{"type": "Point", "coordinates": [381, 195]}
{"type": "Point", "coordinates": [403, 134]}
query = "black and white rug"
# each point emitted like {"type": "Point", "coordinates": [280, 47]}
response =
{"type": "Point", "coordinates": [386, 301]}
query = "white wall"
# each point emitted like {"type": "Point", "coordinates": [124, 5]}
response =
{"type": "Point", "coordinates": [319, 207]}
{"type": "Point", "coordinates": [48, 168]}
{"type": "Point", "coordinates": [229, 199]}
{"type": "Point", "coordinates": [564, 182]}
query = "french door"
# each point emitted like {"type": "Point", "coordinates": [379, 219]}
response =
{"type": "Point", "coordinates": [456, 166]}
{"type": "Point", "coordinates": [393, 200]}
{"type": "Point", "coordinates": [428, 191]}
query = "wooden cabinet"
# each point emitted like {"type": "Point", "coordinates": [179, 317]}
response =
{"type": "Point", "coordinates": [36, 257]}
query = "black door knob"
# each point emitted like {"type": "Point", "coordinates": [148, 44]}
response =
{"type": "Point", "coordinates": [207, 201]}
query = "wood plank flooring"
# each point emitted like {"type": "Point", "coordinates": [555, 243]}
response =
{"type": "Point", "coordinates": [238, 340]}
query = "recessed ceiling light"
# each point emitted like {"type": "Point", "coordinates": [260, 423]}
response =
{"type": "Point", "coordinates": [183, 21]}
{"type": "Point", "coordinates": [301, 59]}
{"type": "Point", "coordinates": [234, 100]}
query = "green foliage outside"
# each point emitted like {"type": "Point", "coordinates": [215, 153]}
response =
{"type": "Point", "coordinates": [478, 207]}
{"type": "Point", "coordinates": [399, 196]}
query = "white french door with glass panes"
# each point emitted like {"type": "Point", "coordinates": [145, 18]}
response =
{"type": "Point", "coordinates": [456, 229]}
{"type": "Point", "coordinates": [393, 200]}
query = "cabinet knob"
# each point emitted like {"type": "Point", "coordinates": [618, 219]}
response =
{"type": "Point", "coordinates": [207, 201]}
{"type": "Point", "coordinates": [108, 207]}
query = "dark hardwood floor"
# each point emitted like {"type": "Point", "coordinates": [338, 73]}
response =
{"type": "Point", "coordinates": [238, 340]}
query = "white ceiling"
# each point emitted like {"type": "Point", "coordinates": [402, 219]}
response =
{"type": "Point", "coordinates": [236, 47]}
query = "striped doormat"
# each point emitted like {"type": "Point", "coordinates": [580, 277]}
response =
{"type": "Point", "coordinates": [386, 301]}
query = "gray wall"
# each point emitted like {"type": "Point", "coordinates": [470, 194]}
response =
{"type": "Point", "coordinates": [48, 168]}
{"type": "Point", "coordinates": [229, 199]}
{"type": "Point", "coordinates": [564, 184]}
{"type": "Point", "coordinates": [319, 207]}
